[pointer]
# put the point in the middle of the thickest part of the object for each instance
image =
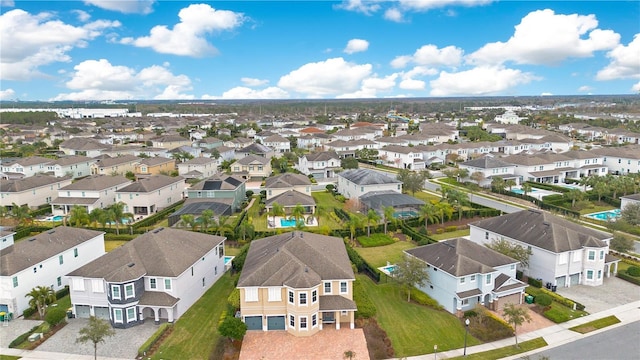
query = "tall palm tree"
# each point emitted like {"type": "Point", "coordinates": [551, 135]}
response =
{"type": "Point", "coordinates": [427, 213]}
{"type": "Point", "coordinates": [498, 183]}
{"type": "Point", "coordinates": [21, 213]}
{"type": "Point", "coordinates": [39, 297]}
{"type": "Point", "coordinates": [297, 212]}
{"type": "Point", "coordinates": [223, 225]}
{"type": "Point", "coordinates": [388, 216]}
{"type": "Point", "coordinates": [276, 210]}
{"type": "Point", "coordinates": [445, 210]}
{"type": "Point", "coordinates": [600, 188]}
{"type": "Point", "coordinates": [245, 230]}
{"type": "Point", "coordinates": [355, 222]}
{"type": "Point", "coordinates": [206, 218]}
{"type": "Point", "coordinates": [117, 210]}
{"type": "Point", "coordinates": [78, 216]}
{"type": "Point", "coordinates": [510, 183]}
{"type": "Point", "coordinates": [574, 195]}
{"type": "Point", "coordinates": [95, 216]}
{"type": "Point", "coordinates": [526, 188]}
{"type": "Point", "coordinates": [189, 220]}
{"type": "Point", "coordinates": [372, 217]}
{"type": "Point", "coordinates": [457, 199]}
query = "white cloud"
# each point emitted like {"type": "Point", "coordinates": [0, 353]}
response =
{"type": "Point", "coordinates": [430, 55]}
{"type": "Point", "coordinates": [412, 84]}
{"type": "Point", "coordinates": [100, 80]}
{"type": "Point", "coordinates": [83, 16]}
{"type": "Point", "coordinates": [331, 77]}
{"type": "Point", "coordinates": [543, 37]}
{"type": "Point", "coordinates": [371, 87]}
{"type": "Point", "coordinates": [8, 94]}
{"type": "Point", "coordinates": [396, 8]}
{"type": "Point", "coordinates": [394, 15]}
{"type": "Point", "coordinates": [188, 37]}
{"type": "Point", "coordinates": [124, 6]}
{"type": "Point", "coordinates": [7, 3]}
{"type": "Point", "coordinates": [483, 80]}
{"type": "Point", "coordinates": [356, 45]}
{"type": "Point", "coordinates": [636, 87]}
{"type": "Point", "coordinates": [585, 88]}
{"type": "Point", "coordinates": [424, 5]}
{"type": "Point", "coordinates": [38, 40]}
{"type": "Point", "coordinates": [546, 94]}
{"type": "Point", "coordinates": [242, 92]}
{"type": "Point", "coordinates": [251, 82]}
{"type": "Point", "coordinates": [366, 7]}
{"type": "Point", "coordinates": [624, 62]}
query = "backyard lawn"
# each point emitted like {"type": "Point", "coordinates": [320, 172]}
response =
{"type": "Point", "coordinates": [424, 196]}
{"type": "Point", "coordinates": [325, 203]}
{"type": "Point", "coordinates": [378, 256]}
{"type": "Point", "coordinates": [451, 234]}
{"type": "Point", "coordinates": [413, 329]}
{"type": "Point", "coordinates": [109, 245]}
{"type": "Point", "coordinates": [195, 334]}
{"type": "Point", "coordinates": [596, 207]}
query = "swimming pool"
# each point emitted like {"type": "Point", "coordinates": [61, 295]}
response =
{"type": "Point", "coordinates": [605, 215]}
{"type": "Point", "coordinates": [287, 223]}
{"type": "Point", "coordinates": [389, 269]}
{"type": "Point", "coordinates": [521, 192]}
{"type": "Point", "coordinates": [227, 259]}
{"type": "Point", "coordinates": [405, 214]}
{"type": "Point", "coordinates": [54, 218]}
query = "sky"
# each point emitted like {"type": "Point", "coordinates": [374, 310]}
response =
{"type": "Point", "coordinates": [183, 50]}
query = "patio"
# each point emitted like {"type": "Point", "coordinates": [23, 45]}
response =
{"type": "Point", "coordinates": [281, 222]}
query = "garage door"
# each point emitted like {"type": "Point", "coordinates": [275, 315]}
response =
{"type": "Point", "coordinates": [102, 312]}
{"type": "Point", "coordinates": [253, 322]}
{"type": "Point", "coordinates": [512, 299]}
{"type": "Point", "coordinates": [560, 281]}
{"type": "Point", "coordinates": [574, 279]}
{"type": "Point", "coordinates": [82, 311]}
{"type": "Point", "coordinates": [275, 323]}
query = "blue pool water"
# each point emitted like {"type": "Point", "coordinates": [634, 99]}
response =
{"type": "Point", "coordinates": [405, 214]}
{"type": "Point", "coordinates": [227, 259]}
{"type": "Point", "coordinates": [521, 192]}
{"type": "Point", "coordinates": [605, 215]}
{"type": "Point", "coordinates": [287, 223]}
{"type": "Point", "coordinates": [55, 218]}
{"type": "Point", "coordinates": [390, 269]}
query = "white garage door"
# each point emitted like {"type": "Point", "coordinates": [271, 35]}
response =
{"type": "Point", "coordinates": [102, 312]}
{"type": "Point", "coordinates": [82, 311]}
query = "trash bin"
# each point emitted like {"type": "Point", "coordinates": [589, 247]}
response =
{"type": "Point", "coordinates": [528, 299]}
{"type": "Point", "coordinates": [554, 288]}
{"type": "Point", "coordinates": [69, 314]}
{"type": "Point", "coordinates": [2, 314]}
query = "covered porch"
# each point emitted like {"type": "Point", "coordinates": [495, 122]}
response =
{"type": "Point", "coordinates": [336, 310]}
{"type": "Point", "coordinates": [157, 305]}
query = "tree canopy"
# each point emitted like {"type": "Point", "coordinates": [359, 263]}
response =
{"type": "Point", "coordinates": [410, 272]}
{"type": "Point", "coordinates": [515, 251]}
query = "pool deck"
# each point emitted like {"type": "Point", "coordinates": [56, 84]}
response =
{"type": "Point", "coordinates": [309, 220]}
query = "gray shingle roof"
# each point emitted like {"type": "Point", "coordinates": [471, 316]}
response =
{"type": "Point", "coordinates": [295, 258]}
{"type": "Point", "coordinates": [34, 250]}
{"type": "Point", "coordinates": [156, 160]}
{"type": "Point", "coordinates": [486, 162]}
{"type": "Point", "coordinates": [286, 180]}
{"type": "Point", "coordinates": [73, 159]}
{"type": "Point", "coordinates": [461, 257]}
{"type": "Point", "coordinates": [544, 230]}
{"type": "Point", "coordinates": [252, 159]}
{"type": "Point", "coordinates": [151, 183]}
{"type": "Point", "coordinates": [291, 198]}
{"type": "Point", "coordinates": [367, 177]}
{"type": "Point", "coordinates": [164, 252]}
{"type": "Point", "coordinates": [31, 160]}
{"type": "Point", "coordinates": [106, 162]}
{"type": "Point", "coordinates": [322, 156]}
{"type": "Point", "coordinates": [381, 199]}
{"type": "Point", "coordinates": [98, 182]}
{"type": "Point", "coordinates": [28, 183]}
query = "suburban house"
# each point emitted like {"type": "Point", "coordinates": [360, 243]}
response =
{"type": "Point", "coordinates": [278, 143]}
{"type": "Point", "coordinates": [509, 117]}
{"type": "Point", "coordinates": [320, 165]}
{"type": "Point", "coordinates": [151, 194]}
{"type": "Point", "coordinates": [43, 260]}
{"type": "Point", "coordinates": [252, 166]}
{"type": "Point", "coordinates": [354, 183]}
{"type": "Point", "coordinates": [25, 167]}
{"type": "Point", "coordinates": [585, 163]}
{"type": "Point", "coordinates": [404, 206]}
{"type": "Point", "coordinates": [255, 149]}
{"type": "Point", "coordinates": [490, 167]}
{"type": "Point", "coordinates": [539, 168]}
{"type": "Point", "coordinates": [628, 200]}
{"type": "Point", "coordinates": [155, 166]}
{"type": "Point", "coordinates": [170, 141]}
{"type": "Point", "coordinates": [348, 148]}
{"type": "Point", "coordinates": [76, 166]}
{"type": "Point", "coordinates": [463, 274]}
{"type": "Point", "coordinates": [221, 187]}
{"type": "Point", "coordinates": [401, 157]}
{"type": "Point", "coordinates": [96, 191]}
{"type": "Point", "coordinates": [82, 146]}
{"type": "Point", "coordinates": [119, 165]}
{"type": "Point", "coordinates": [620, 160]}
{"type": "Point", "coordinates": [198, 168]}
{"type": "Point", "coordinates": [279, 184]}
{"type": "Point", "coordinates": [157, 275]}
{"type": "Point", "coordinates": [238, 143]}
{"type": "Point", "coordinates": [563, 253]}
{"type": "Point", "coordinates": [298, 282]}
{"type": "Point", "coordinates": [31, 191]}
{"type": "Point", "coordinates": [209, 143]}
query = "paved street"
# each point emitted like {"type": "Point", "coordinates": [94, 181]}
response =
{"type": "Point", "coordinates": [480, 200]}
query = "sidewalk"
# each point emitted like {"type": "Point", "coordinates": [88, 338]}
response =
{"type": "Point", "coordinates": [555, 335]}
{"type": "Point", "coordinates": [44, 355]}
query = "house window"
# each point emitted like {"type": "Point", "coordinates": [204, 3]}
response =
{"type": "Point", "coordinates": [61, 259]}
{"type": "Point", "coordinates": [589, 274]}
{"type": "Point", "coordinates": [314, 296]}
{"type": "Point", "coordinates": [115, 292]}
{"type": "Point", "coordinates": [167, 284]}
{"type": "Point", "coordinates": [96, 285]}
{"type": "Point", "coordinates": [562, 258]}
{"type": "Point", "coordinates": [251, 294]}
{"type": "Point", "coordinates": [486, 235]}
{"type": "Point", "coordinates": [343, 287]}
{"type": "Point", "coordinates": [59, 281]}
{"type": "Point", "coordinates": [215, 270]}
{"type": "Point", "coordinates": [78, 284]}
{"type": "Point", "coordinates": [15, 281]}
{"type": "Point", "coordinates": [203, 282]}
{"type": "Point", "coordinates": [291, 297]}
{"type": "Point", "coordinates": [153, 284]}
{"type": "Point", "coordinates": [576, 256]}
{"type": "Point", "coordinates": [601, 254]}
{"type": "Point", "coordinates": [599, 274]}
{"type": "Point", "coordinates": [131, 314]}
{"type": "Point", "coordinates": [75, 252]}
{"type": "Point", "coordinates": [314, 320]}
{"type": "Point", "coordinates": [462, 280]}
{"type": "Point", "coordinates": [592, 255]}
{"type": "Point", "coordinates": [513, 266]}
{"type": "Point", "coordinates": [128, 291]}
{"type": "Point", "coordinates": [488, 279]}
{"type": "Point", "coordinates": [303, 298]}
{"type": "Point", "coordinates": [303, 323]}
{"type": "Point", "coordinates": [473, 278]}
{"type": "Point", "coordinates": [275, 294]}
{"type": "Point", "coordinates": [292, 321]}
{"type": "Point", "coordinates": [117, 315]}
{"type": "Point", "coordinates": [465, 302]}
{"type": "Point", "coordinates": [327, 287]}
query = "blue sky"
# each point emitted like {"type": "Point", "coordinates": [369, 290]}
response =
{"type": "Point", "coordinates": [146, 49]}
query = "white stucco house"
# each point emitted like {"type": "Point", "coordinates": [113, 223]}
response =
{"type": "Point", "coordinates": [43, 260]}
{"type": "Point", "coordinates": [355, 183]}
{"type": "Point", "coordinates": [149, 195]}
{"type": "Point", "coordinates": [76, 166]}
{"type": "Point", "coordinates": [31, 191]}
{"type": "Point", "coordinates": [97, 191]}
{"type": "Point", "coordinates": [320, 165]}
{"type": "Point", "coordinates": [628, 200]}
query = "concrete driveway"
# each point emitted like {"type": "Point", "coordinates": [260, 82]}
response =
{"type": "Point", "coordinates": [614, 292]}
{"type": "Point", "coordinates": [14, 329]}
{"type": "Point", "coordinates": [124, 344]}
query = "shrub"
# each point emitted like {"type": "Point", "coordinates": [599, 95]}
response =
{"type": "Point", "coordinates": [634, 271]}
{"type": "Point", "coordinates": [22, 338]}
{"type": "Point", "coordinates": [341, 198]}
{"type": "Point", "coordinates": [28, 312]}
{"type": "Point", "coordinates": [232, 328]}
{"type": "Point", "coordinates": [234, 299]}
{"type": "Point", "coordinates": [535, 282]}
{"type": "Point", "coordinates": [378, 239]}
{"type": "Point", "coordinates": [366, 308]}
{"type": "Point", "coordinates": [470, 313]}
{"type": "Point", "coordinates": [629, 278]}
{"type": "Point", "coordinates": [162, 329]}
{"type": "Point", "coordinates": [55, 315]}
{"type": "Point", "coordinates": [440, 231]}
{"type": "Point", "coordinates": [543, 300]}
{"type": "Point", "coordinates": [450, 228]}
{"type": "Point", "coordinates": [421, 298]}
{"type": "Point", "coordinates": [249, 194]}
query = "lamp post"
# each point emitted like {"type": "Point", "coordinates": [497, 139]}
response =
{"type": "Point", "coordinates": [435, 352]}
{"type": "Point", "coordinates": [466, 323]}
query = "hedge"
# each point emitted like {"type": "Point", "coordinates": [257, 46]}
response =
{"type": "Point", "coordinates": [162, 329]}
{"type": "Point", "coordinates": [632, 279]}
{"type": "Point", "coordinates": [26, 231]}
{"type": "Point", "coordinates": [28, 312]}
{"type": "Point", "coordinates": [55, 316]}
{"type": "Point", "coordinates": [343, 215]}
{"type": "Point", "coordinates": [361, 264]}
{"type": "Point", "coordinates": [366, 308]}
{"type": "Point", "coordinates": [62, 292]}
{"type": "Point", "coordinates": [157, 217]}
{"type": "Point", "coordinates": [22, 338]}
{"type": "Point", "coordinates": [535, 282]}
{"type": "Point", "coordinates": [421, 298]}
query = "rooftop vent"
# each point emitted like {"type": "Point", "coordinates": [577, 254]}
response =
{"type": "Point", "coordinates": [51, 232]}
{"type": "Point", "coordinates": [32, 239]}
{"type": "Point", "coordinates": [131, 264]}
{"type": "Point", "coordinates": [158, 230]}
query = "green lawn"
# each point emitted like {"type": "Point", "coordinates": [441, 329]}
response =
{"type": "Point", "coordinates": [426, 196]}
{"type": "Point", "coordinates": [378, 256]}
{"type": "Point", "coordinates": [375, 240]}
{"type": "Point", "coordinates": [325, 202]}
{"type": "Point", "coordinates": [259, 221]}
{"type": "Point", "coordinates": [9, 357]}
{"type": "Point", "coordinates": [595, 324]}
{"type": "Point", "coordinates": [195, 334]}
{"type": "Point", "coordinates": [413, 329]}
{"type": "Point", "coordinates": [451, 235]}
{"type": "Point", "coordinates": [231, 251]}
{"type": "Point", "coordinates": [507, 351]}
{"type": "Point", "coordinates": [112, 244]}
{"type": "Point", "coordinates": [596, 207]}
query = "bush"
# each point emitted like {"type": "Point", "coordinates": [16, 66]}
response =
{"type": "Point", "coordinates": [450, 228]}
{"type": "Point", "coordinates": [374, 240]}
{"type": "Point", "coordinates": [366, 308]}
{"type": "Point", "coordinates": [440, 231]}
{"type": "Point", "coordinates": [629, 278]}
{"type": "Point", "coordinates": [28, 312]}
{"type": "Point", "coordinates": [535, 282]}
{"type": "Point", "coordinates": [543, 300]}
{"type": "Point", "coordinates": [470, 313]}
{"type": "Point", "coordinates": [162, 329]}
{"type": "Point", "coordinates": [55, 315]}
{"type": "Point", "coordinates": [634, 271]}
{"type": "Point", "coordinates": [249, 194]}
{"type": "Point", "coordinates": [234, 299]}
{"type": "Point", "coordinates": [22, 338]}
{"type": "Point", "coordinates": [62, 292]}
{"type": "Point", "coordinates": [421, 298]}
{"type": "Point", "coordinates": [232, 328]}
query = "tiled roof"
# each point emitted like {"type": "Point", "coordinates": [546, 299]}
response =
{"type": "Point", "coordinates": [292, 198]}
{"type": "Point", "coordinates": [286, 180]}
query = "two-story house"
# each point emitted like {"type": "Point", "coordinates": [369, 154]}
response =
{"type": "Point", "coordinates": [563, 253]}
{"type": "Point", "coordinates": [354, 183]}
{"type": "Point", "coordinates": [151, 194]}
{"type": "Point", "coordinates": [278, 143]}
{"type": "Point", "coordinates": [252, 166]}
{"type": "Point", "coordinates": [401, 157]}
{"type": "Point", "coordinates": [32, 191]}
{"type": "Point", "coordinates": [198, 168]}
{"type": "Point", "coordinates": [320, 165]}
{"type": "Point", "coordinates": [620, 160]}
{"type": "Point", "coordinates": [157, 275]}
{"type": "Point", "coordinates": [170, 141]}
{"type": "Point", "coordinates": [76, 166]}
{"type": "Point", "coordinates": [43, 260]}
{"type": "Point", "coordinates": [96, 191]}
{"type": "Point", "coordinates": [155, 166]}
{"type": "Point", "coordinates": [255, 149]}
{"type": "Point", "coordinates": [82, 146]}
{"type": "Point", "coordinates": [463, 274]}
{"type": "Point", "coordinates": [25, 167]}
{"type": "Point", "coordinates": [298, 282]}
{"type": "Point", "coordinates": [230, 188]}
{"type": "Point", "coordinates": [490, 167]}
{"type": "Point", "coordinates": [119, 165]}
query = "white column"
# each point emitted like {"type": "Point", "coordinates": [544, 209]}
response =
{"type": "Point", "coordinates": [337, 320]}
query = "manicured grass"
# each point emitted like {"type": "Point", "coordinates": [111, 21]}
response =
{"type": "Point", "coordinates": [596, 207]}
{"type": "Point", "coordinates": [557, 312]}
{"type": "Point", "coordinates": [451, 235]}
{"type": "Point", "coordinates": [231, 251]}
{"type": "Point", "coordinates": [259, 221]}
{"type": "Point", "coordinates": [325, 202]}
{"type": "Point", "coordinates": [595, 324]}
{"type": "Point", "coordinates": [413, 329]}
{"type": "Point", "coordinates": [426, 196]}
{"type": "Point", "coordinates": [195, 334]}
{"type": "Point", "coordinates": [109, 245]}
{"type": "Point", "coordinates": [377, 239]}
{"type": "Point", "coordinates": [64, 302]}
{"type": "Point", "coordinates": [9, 357]}
{"type": "Point", "coordinates": [507, 351]}
{"type": "Point", "coordinates": [378, 256]}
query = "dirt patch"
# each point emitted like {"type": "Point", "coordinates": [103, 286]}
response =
{"type": "Point", "coordinates": [378, 342]}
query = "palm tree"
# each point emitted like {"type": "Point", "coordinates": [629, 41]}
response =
{"type": "Point", "coordinates": [40, 296]}
{"type": "Point", "coordinates": [457, 199]}
{"type": "Point", "coordinates": [478, 177]}
{"type": "Point", "coordinates": [223, 225]}
{"type": "Point", "coordinates": [526, 188]}
{"type": "Point", "coordinates": [276, 210]}
{"type": "Point", "coordinates": [245, 230]}
{"type": "Point", "coordinates": [21, 213]}
{"type": "Point", "coordinates": [117, 210]}
{"type": "Point", "coordinates": [95, 216]}
{"type": "Point", "coordinates": [297, 212]}
{"type": "Point", "coordinates": [355, 222]}
{"type": "Point", "coordinates": [445, 210]}
{"type": "Point", "coordinates": [600, 188]}
{"type": "Point", "coordinates": [574, 195]}
{"type": "Point", "coordinates": [584, 181]}
{"type": "Point", "coordinates": [78, 216]}
{"type": "Point", "coordinates": [427, 212]}
{"type": "Point", "coordinates": [206, 218]}
{"type": "Point", "coordinates": [462, 174]}
{"type": "Point", "coordinates": [189, 220]}
{"type": "Point", "coordinates": [510, 184]}
{"type": "Point", "coordinates": [498, 183]}
{"type": "Point", "coordinates": [372, 217]}
{"type": "Point", "coordinates": [389, 211]}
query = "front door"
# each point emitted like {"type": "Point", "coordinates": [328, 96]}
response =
{"type": "Point", "coordinates": [328, 317]}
